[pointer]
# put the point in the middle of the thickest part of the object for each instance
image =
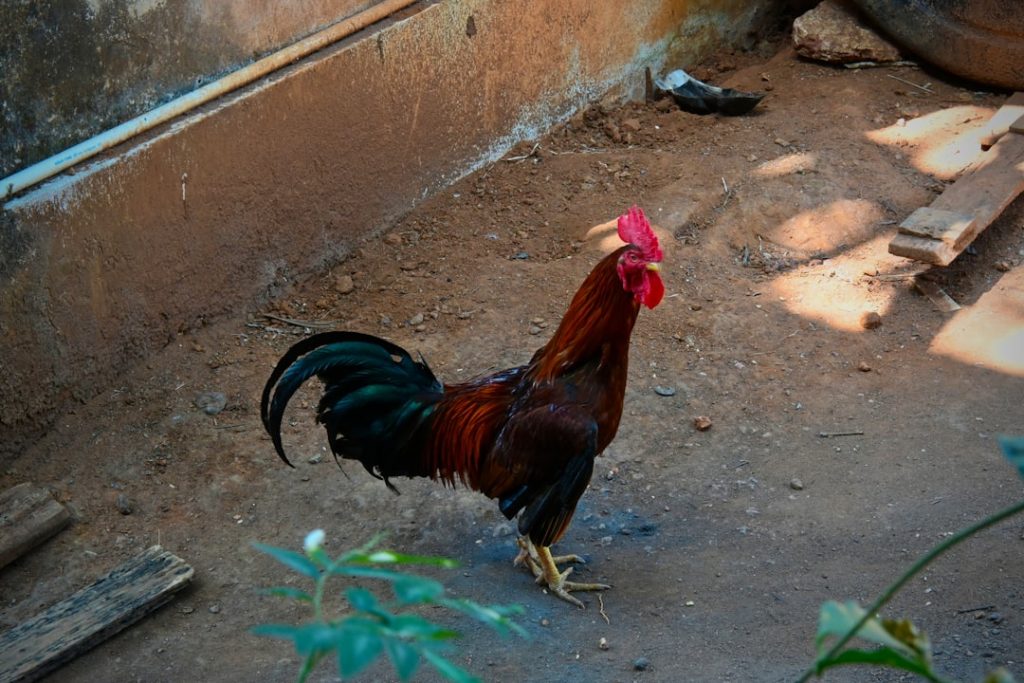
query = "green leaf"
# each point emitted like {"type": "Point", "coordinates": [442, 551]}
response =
{"type": "Point", "coordinates": [1013, 449]}
{"type": "Point", "coordinates": [416, 589]}
{"type": "Point", "coordinates": [389, 557]}
{"type": "Point", "coordinates": [316, 638]}
{"type": "Point", "coordinates": [415, 627]}
{"type": "Point", "coordinates": [495, 616]}
{"type": "Point", "coordinates": [284, 631]}
{"type": "Point", "coordinates": [883, 656]}
{"type": "Point", "coordinates": [308, 638]}
{"type": "Point", "coordinates": [357, 647]}
{"type": "Point", "coordinates": [908, 634]}
{"type": "Point", "coordinates": [1000, 675]}
{"type": "Point", "coordinates": [404, 656]}
{"type": "Point", "coordinates": [290, 559]}
{"type": "Point", "coordinates": [289, 592]}
{"type": "Point", "coordinates": [837, 620]}
{"type": "Point", "coordinates": [320, 557]}
{"type": "Point", "coordinates": [448, 669]}
{"type": "Point", "coordinates": [369, 572]}
{"type": "Point", "coordinates": [362, 599]}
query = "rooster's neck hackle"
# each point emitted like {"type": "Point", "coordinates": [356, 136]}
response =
{"type": "Point", "coordinates": [601, 314]}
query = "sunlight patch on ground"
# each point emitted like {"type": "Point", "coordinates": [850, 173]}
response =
{"type": "Point", "coordinates": [785, 165]}
{"type": "Point", "coordinates": [942, 143]}
{"type": "Point", "coordinates": [991, 331]}
{"type": "Point", "coordinates": [845, 221]}
{"type": "Point", "coordinates": [836, 292]}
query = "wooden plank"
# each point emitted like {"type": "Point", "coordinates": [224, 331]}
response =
{"type": "Point", "coordinates": [936, 224]}
{"type": "Point", "coordinates": [1018, 125]}
{"type": "Point", "coordinates": [1000, 122]}
{"type": "Point", "coordinates": [36, 647]}
{"type": "Point", "coordinates": [942, 301]}
{"type": "Point", "coordinates": [986, 188]}
{"type": "Point", "coordinates": [28, 516]}
{"type": "Point", "coordinates": [989, 332]}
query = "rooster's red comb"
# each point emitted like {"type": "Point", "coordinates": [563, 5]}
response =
{"type": "Point", "coordinates": [634, 228]}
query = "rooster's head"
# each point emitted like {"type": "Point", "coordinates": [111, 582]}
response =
{"type": "Point", "coordinates": [639, 263]}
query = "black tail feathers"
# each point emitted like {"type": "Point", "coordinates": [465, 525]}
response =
{"type": "Point", "coordinates": [376, 405]}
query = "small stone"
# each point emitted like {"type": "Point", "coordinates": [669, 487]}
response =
{"type": "Point", "coordinates": [534, 329]}
{"type": "Point", "coordinates": [1002, 266]}
{"type": "Point", "coordinates": [537, 321]}
{"type": "Point", "coordinates": [631, 125]}
{"type": "Point", "coordinates": [316, 459]}
{"type": "Point", "coordinates": [796, 484]}
{"type": "Point", "coordinates": [188, 610]}
{"type": "Point", "coordinates": [702, 423]}
{"type": "Point", "coordinates": [664, 391]}
{"type": "Point", "coordinates": [393, 238]}
{"type": "Point", "coordinates": [409, 265]}
{"type": "Point", "coordinates": [665, 104]}
{"type": "Point", "coordinates": [521, 256]}
{"type": "Point", "coordinates": [545, 622]}
{"type": "Point", "coordinates": [613, 132]}
{"type": "Point", "coordinates": [214, 609]}
{"type": "Point", "coordinates": [995, 618]}
{"type": "Point", "coordinates": [863, 367]}
{"type": "Point", "coordinates": [211, 402]}
{"type": "Point", "coordinates": [870, 320]}
{"type": "Point", "coordinates": [602, 644]}
{"type": "Point", "coordinates": [781, 142]}
{"type": "Point", "coordinates": [695, 307]}
{"type": "Point", "coordinates": [344, 284]}
{"type": "Point", "coordinates": [641, 663]}
{"type": "Point", "coordinates": [689, 603]}
{"type": "Point", "coordinates": [124, 506]}
{"type": "Point", "coordinates": [416, 320]}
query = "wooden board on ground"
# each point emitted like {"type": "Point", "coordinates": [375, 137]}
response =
{"type": "Point", "coordinates": [36, 647]}
{"type": "Point", "coordinates": [938, 233]}
{"type": "Point", "coordinates": [1018, 126]}
{"type": "Point", "coordinates": [28, 516]}
{"type": "Point", "coordinates": [942, 301]}
{"type": "Point", "coordinates": [1003, 119]}
{"type": "Point", "coordinates": [989, 332]}
{"type": "Point", "coordinates": [936, 224]}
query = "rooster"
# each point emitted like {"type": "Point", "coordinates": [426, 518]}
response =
{"type": "Point", "coordinates": [526, 436]}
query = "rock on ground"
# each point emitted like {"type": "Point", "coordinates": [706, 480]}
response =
{"type": "Point", "coordinates": [835, 32]}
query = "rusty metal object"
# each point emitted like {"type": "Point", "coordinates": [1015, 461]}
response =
{"type": "Point", "coordinates": [982, 40]}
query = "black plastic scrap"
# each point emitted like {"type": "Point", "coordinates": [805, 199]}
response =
{"type": "Point", "coordinates": [697, 97]}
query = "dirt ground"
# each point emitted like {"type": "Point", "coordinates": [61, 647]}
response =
{"type": "Point", "coordinates": [720, 545]}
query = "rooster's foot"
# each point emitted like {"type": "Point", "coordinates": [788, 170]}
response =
{"type": "Point", "coordinates": [545, 567]}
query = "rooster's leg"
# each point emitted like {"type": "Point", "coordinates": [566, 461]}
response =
{"type": "Point", "coordinates": [544, 567]}
{"type": "Point", "coordinates": [528, 556]}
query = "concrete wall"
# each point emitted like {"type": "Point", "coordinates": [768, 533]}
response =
{"type": "Point", "coordinates": [224, 208]}
{"type": "Point", "coordinates": [73, 68]}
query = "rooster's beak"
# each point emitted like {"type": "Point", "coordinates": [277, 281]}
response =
{"type": "Point", "coordinates": [654, 266]}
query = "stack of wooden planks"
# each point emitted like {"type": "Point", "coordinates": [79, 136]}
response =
{"type": "Point", "coordinates": [30, 650]}
{"type": "Point", "coordinates": [938, 233]}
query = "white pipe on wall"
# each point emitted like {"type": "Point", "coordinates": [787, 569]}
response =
{"type": "Point", "coordinates": [48, 168]}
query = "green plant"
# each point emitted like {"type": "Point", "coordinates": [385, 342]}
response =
{"type": "Point", "coordinates": [374, 626]}
{"type": "Point", "coordinates": [901, 644]}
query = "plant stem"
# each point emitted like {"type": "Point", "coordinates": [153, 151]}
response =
{"type": "Point", "coordinates": [318, 596]}
{"type": "Point", "coordinates": [921, 563]}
